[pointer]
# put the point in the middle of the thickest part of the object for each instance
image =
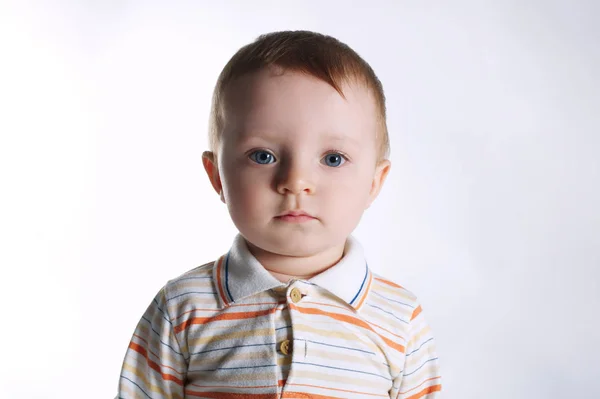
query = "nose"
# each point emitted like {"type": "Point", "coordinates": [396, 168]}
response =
{"type": "Point", "coordinates": [294, 178]}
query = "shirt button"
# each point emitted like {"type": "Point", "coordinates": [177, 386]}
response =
{"type": "Point", "coordinates": [295, 295]}
{"type": "Point", "coordinates": [284, 347]}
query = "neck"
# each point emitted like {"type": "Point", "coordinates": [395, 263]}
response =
{"type": "Point", "coordinates": [284, 278]}
{"type": "Point", "coordinates": [285, 268]}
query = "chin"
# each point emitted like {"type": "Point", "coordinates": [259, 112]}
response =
{"type": "Point", "coordinates": [295, 241]}
{"type": "Point", "coordinates": [297, 246]}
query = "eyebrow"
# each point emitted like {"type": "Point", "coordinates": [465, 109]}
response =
{"type": "Point", "coordinates": [342, 138]}
{"type": "Point", "coordinates": [243, 138]}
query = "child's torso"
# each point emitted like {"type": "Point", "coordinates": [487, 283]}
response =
{"type": "Point", "coordinates": [299, 341]}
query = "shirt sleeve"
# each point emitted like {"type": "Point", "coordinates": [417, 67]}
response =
{"type": "Point", "coordinates": [420, 378]}
{"type": "Point", "coordinates": [155, 365]}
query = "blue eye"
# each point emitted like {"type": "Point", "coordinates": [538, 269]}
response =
{"type": "Point", "coordinates": [262, 157]}
{"type": "Point", "coordinates": [334, 159]}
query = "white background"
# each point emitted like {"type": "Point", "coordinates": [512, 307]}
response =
{"type": "Point", "coordinates": [490, 213]}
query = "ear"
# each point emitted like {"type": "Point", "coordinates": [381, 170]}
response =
{"type": "Point", "coordinates": [381, 172]}
{"type": "Point", "coordinates": [212, 170]}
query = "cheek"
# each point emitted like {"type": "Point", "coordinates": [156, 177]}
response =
{"type": "Point", "coordinates": [245, 195]}
{"type": "Point", "coordinates": [347, 195]}
{"type": "Point", "coordinates": [353, 186]}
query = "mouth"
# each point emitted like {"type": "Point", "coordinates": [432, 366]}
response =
{"type": "Point", "coordinates": [295, 217]}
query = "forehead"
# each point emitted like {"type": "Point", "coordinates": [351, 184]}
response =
{"type": "Point", "coordinates": [296, 105]}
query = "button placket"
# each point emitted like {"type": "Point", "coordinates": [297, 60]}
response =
{"type": "Point", "coordinates": [295, 350]}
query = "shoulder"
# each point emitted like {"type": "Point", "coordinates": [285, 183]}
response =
{"type": "Point", "coordinates": [191, 285]}
{"type": "Point", "coordinates": [203, 272]}
{"type": "Point", "coordinates": [387, 292]}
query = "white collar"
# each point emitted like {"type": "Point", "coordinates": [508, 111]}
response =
{"type": "Point", "coordinates": [239, 275]}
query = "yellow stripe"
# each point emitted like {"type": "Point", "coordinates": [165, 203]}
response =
{"type": "Point", "coordinates": [348, 358]}
{"type": "Point", "coordinates": [376, 316]}
{"type": "Point", "coordinates": [393, 307]}
{"type": "Point", "coordinates": [205, 361]}
{"type": "Point", "coordinates": [206, 338]}
{"type": "Point", "coordinates": [198, 301]}
{"type": "Point", "coordinates": [426, 331]}
{"type": "Point", "coordinates": [351, 337]}
{"type": "Point", "coordinates": [330, 377]}
{"type": "Point", "coordinates": [224, 377]}
{"type": "Point", "coordinates": [147, 386]}
{"type": "Point", "coordinates": [398, 293]}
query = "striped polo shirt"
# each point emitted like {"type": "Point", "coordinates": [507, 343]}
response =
{"type": "Point", "coordinates": [229, 329]}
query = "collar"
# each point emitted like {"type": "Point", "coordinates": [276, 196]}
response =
{"type": "Point", "coordinates": [238, 275]}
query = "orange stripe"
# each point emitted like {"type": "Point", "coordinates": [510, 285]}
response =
{"type": "Point", "coordinates": [351, 320]}
{"type": "Point", "coordinates": [388, 282]}
{"type": "Point", "coordinates": [416, 312]}
{"type": "Point", "coordinates": [387, 331]}
{"type": "Point", "coordinates": [232, 306]}
{"type": "Point", "coordinates": [229, 395]}
{"type": "Point", "coordinates": [222, 316]}
{"type": "Point", "coordinates": [142, 351]}
{"type": "Point", "coordinates": [366, 292]}
{"type": "Point", "coordinates": [297, 395]}
{"type": "Point", "coordinates": [431, 389]}
{"type": "Point", "coordinates": [345, 308]}
{"type": "Point", "coordinates": [280, 383]}
{"type": "Point", "coordinates": [340, 390]}
{"type": "Point", "coordinates": [155, 355]}
{"type": "Point", "coordinates": [219, 285]}
{"type": "Point", "coordinates": [229, 386]}
{"type": "Point", "coordinates": [419, 386]}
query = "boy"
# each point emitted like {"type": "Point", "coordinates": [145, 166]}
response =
{"type": "Point", "coordinates": [299, 150]}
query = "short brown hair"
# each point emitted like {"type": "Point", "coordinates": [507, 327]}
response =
{"type": "Point", "coordinates": [315, 54]}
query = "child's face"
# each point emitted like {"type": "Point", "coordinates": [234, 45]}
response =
{"type": "Point", "coordinates": [284, 144]}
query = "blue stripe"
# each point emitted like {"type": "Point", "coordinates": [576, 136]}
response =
{"type": "Point", "coordinates": [192, 292]}
{"type": "Point", "coordinates": [342, 347]}
{"type": "Point", "coordinates": [139, 387]}
{"type": "Point", "coordinates": [227, 277]}
{"type": "Point", "coordinates": [193, 278]}
{"type": "Point", "coordinates": [339, 368]}
{"type": "Point", "coordinates": [390, 313]}
{"type": "Point", "coordinates": [419, 347]}
{"type": "Point", "coordinates": [232, 347]}
{"type": "Point", "coordinates": [158, 335]}
{"type": "Point", "coordinates": [232, 368]}
{"type": "Point", "coordinates": [281, 328]}
{"type": "Point", "coordinates": [362, 285]}
{"type": "Point", "coordinates": [430, 360]}
{"type": "Point", "coordinates": [163, 312]}
{"type": "Point", "coordinates": [391, 300]}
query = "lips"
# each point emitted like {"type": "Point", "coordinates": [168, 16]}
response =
{"type": "Point", "coordinates": [296, 216]}
{"type": "Point", "coordinates": [295, 213]}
